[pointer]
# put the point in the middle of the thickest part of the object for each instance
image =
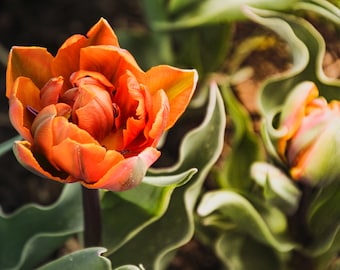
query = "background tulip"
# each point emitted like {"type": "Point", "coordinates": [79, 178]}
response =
{"type": "Point", "coordinates": [311, 135]}
{"type": "Point", "coordinates": [90, 114]}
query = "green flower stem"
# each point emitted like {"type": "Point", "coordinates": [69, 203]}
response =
{"type": "Point", "coordinates": [92, 217]}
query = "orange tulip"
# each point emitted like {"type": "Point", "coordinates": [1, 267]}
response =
{"type": "Point", "coordinates": [90, 114]}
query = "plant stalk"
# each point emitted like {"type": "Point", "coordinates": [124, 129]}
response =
{"type": "Point", "coordinates": [92, 217]}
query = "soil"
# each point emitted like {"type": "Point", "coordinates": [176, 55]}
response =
{"type": "Point", "coordinates": [49, 23]}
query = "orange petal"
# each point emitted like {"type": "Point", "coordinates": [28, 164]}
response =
{"type": "Point", "coordinates": [95, 75]}
{"type": "Point", "coordinates": [50, 93]}
{"type": "Point", "coordinates": [159, 116]}
{"type": "Point", "coordinates": [128, 173]}
{"type": "Point", "coordinates": [31, 62]}
{"type": "Point", "coordinates": [178, 84]}
{"type": "Point", "coordinates": [23, 153]}
{"type": "Point", "coordinates": [85, 162]}
{"type": "Point", "coordinates": [67, 59]}
{"type": "Point", "coordinates": [24, 95]}
{"type": "Point", "coordinates": [102, 34]}
{"type": "Point", "coordinates": [110, 61]}
{"type": "Point", "coordinates": [93, 111]}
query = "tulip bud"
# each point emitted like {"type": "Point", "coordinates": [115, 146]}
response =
{"type": "Point", "coordinates": [311, 142]}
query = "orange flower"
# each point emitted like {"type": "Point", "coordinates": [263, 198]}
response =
{"type": "Point", "coordinates": [90, 114]}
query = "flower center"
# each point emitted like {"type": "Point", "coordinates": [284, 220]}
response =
{"type": "Point", "coordinates": [91, 103]}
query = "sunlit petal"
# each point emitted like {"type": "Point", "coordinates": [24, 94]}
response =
{"type": "Point", "coordinates": [178, 84]}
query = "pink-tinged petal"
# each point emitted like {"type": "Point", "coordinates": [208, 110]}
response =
{"type": "Point", "coordinates": [85, 162]}
{"type": "Point", "coordinates": [50, 93]}
{"type": "Point", "coordinates": [102, 34]}
{"type": "Point", "coordinates": [23, 153]}
{"type": "Point", "coordinates": [23, 100]}
{"type": "Point", "coordinates": [110, 61]}
{"type": "Point", "coordinates": [319, 163]}
{"type": "Point", "coordinates": [31, 62]}
{"type": "Point", "coordinates": [295, 108]}
{"type": "Point", "coordinates": [312, 126]}
{"type": "Point", "coordinates": [67, 59]}
{"type": "Point", "coordinates": [128, 173]}
{"type": "Point", "coordinates": [178, 84]}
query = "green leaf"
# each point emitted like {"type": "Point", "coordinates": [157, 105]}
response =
{"type": "Point", "coordinates": [324, 219]}
{"type": "Point", "coordinates": [278, 188]}
{"type": "Point", "coordinates": [125, 214]}
{"type": "Point", "coordinates": [153, 246]}
{"type": "Point", "coordinates": [219, 11]}
{"type": "Point", "coordinates": [193, 47]}
{"type": "Point", "coordinates": [85, 259]}
{"type": "Point", "coordinates": [7, 145]}
{"type": "Point", "coordinates": [241, 252]}
{"type": "Point", "coordinates": [25, 232]}
{"type": "Point", "coordinates": [321, 7]}
{"type": "Point", "coordinates": [245, 147]}
{"type": "Point", "coordinates": [267, 226]}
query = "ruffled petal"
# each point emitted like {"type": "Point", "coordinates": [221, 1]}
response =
{"type": "Point", "coordinates": [85, 162]}
{"type": "Point", "coordinates": [50, 93]}
{"type": "Point", "coordinates": [24, 100]}
{"type": "Point", "coordinates": [38, 68]}
{"type": "Point", "coordinates": [178, 84]}
{"type": "Point", "coordinates": [128, 173]}
{"type": "Point", "coordinates": [102, 34]}
{"type": "Point", "coordinates": [93, 111]}
{"type": "Point", "coordinates": [23, 153]}
{"type": "Point", "coordinates": [110, 61]}
{"type": "Point", "coordinates": [67, 59]}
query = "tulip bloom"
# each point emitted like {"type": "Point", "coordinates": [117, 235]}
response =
{"type": "Point", "coordinates": [90, 114]}
{"type": "Point", "coordinates": [311, 142]}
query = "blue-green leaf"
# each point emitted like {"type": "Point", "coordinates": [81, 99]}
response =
{"type": "Point", "coordinates": [241, 252]}
{"type": "Point", "coordinates": [7, 145]}
{"type": "Point", "coordinates": [268, 227]}
{"type": "Point", "coordinates": [25, 232]}
{"type": "Point", "coordinates": [234, 172]}
{"type": "Point", "coordinates": [278, 188]}
{"type": "Point", "coordinates": [85, 259]}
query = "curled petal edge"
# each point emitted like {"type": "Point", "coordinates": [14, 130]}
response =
{"type": "Point", "coordinates": [26, 158]}
{"type": "Point", "coordinates": [128, 173]}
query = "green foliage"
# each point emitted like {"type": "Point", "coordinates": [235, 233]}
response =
{"type": "Point", "coordinates": [7, 145]}
{"type": "Point", "coordinates": [278, 189]}
{"type": "Point", "coordinates": [234, 172]}
{"type": "Point", "coordinates": [155, 243]}
{"type": "Point", "coordinates": [214, 12]}
{"type": "Point", "coordinates": [33, 232]}
{"type": "Point", "coordinates": [89, 258]}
